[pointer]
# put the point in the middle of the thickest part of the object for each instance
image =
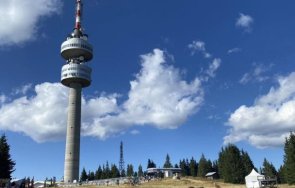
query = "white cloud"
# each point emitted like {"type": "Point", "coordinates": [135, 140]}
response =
{"type": "Point", "coordinates": [2, 99]}
{"type": "Point", "coordinates": [199, 46]}
{"type": "Point", "coordinates": [245, 78]}
{"type": "Point", "coordinates": [213, 67]}
{"type": "Point", "coordinates": [258, 74]}
{"type": "Point", "coordinates": [211, 71]}
{"type": "Point", "coordinates": [23, 89]}
{"type": "Point", "coordinates": [269, 120]}
{"type": "Point", "coordinates": [245, 22]}
{"type": "Point", "coordinates": [234, 50]}
{"type": "Point", "coordinates": [167, 96]}
{"type": "Point", "coordinates": [213, 117]}
{"type": "Point", "coordinates": [158, 97]}
{"type": "Point", "coordinates": [41, 117]}
{"type": "Point", "coordinates": [135, 132]}
{"type": "Point", "coordinates": [19, 19]}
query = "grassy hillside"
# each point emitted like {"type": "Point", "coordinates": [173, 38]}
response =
{"type": "Point", "coordinates": [184, 183]}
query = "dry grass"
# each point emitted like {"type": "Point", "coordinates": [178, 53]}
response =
{"type": "Point", "coordinates": [183, 183]}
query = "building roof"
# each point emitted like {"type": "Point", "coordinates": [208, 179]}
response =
{"type": "Point", "coordinates": [210, 174]}
{"type": "Point", "coordinates": [153, 170]}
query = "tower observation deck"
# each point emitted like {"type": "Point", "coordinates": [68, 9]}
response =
{"type": "Point", "coordinates": [75, 74]}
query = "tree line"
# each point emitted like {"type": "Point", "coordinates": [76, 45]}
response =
{"type": "Point", "coordinates": [232, 165]}
{"type": "Point", "coordinates": [222, 167]}
{"type": "Point", "coordinates": [107, 171]}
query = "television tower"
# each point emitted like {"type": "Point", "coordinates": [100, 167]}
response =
{"type": "Point", "coordinates": [76, 75]}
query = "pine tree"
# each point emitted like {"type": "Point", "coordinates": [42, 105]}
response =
{"type": "Point", "coordinates": [123, 173]}
{"type": "Point", "coordinates": [130, 170]}
{"type": "Point", "coordinates": [268, 169]}
{"type": "Point", "coordinates": [193, 167]}
{"type": "Point", "coordinates": [281, 174]}
{"type": "Point", "coordinates": [230, 165]}
{"type": "Point", "coordinates": [98, 173]}
{"type": "Point", "coordinates": [183, 167]}
{"type": "Point", "coordinates": [135, 174]}
{"type": "Point", "coordinates": [83, 176]}
{"type": "Point", "coordinates": [115, 173]}
{"type": "Point", "coordinates": [140, 171]}
{"type": "Point", "coordinates": [204, 166]}
{"type": "Point", "coordinates": [151, 164]}
{"type": "Point", "coordinates": [248, 164]}
{"type": "Point", "coordinates": [289, 159]}
{"type": "Point", "coordinates": [215, 168]}
{"type": "Point", "coordinates": [167, 163]}
{"type": "Point", "coordinates": [209, 166]}
{"type": "Point", "coordinates": [88, 175]}
{"type": "Point", "coordinates": [187, 169]}
{"type": "Point", "coordinates": [6, 163]}
{"type": "Point", "coordinates": [222, 163]}
{"type": "Point", "coordinates": [107, 171]}
{"type": "Point", "coordinates": [91, 175]}
{"type": "Point", "coordinates": [103, 173]}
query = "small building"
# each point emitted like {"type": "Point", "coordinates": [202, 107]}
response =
{"type": "Point", "coordinates": [211, 175]}
{"type": "Point", "coordinates": [166, 172]}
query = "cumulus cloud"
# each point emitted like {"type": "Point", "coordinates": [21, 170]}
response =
{"type": "Point", "coordinates": [245, 22]}
{"type": "Point", "coordinates": [41, 117]}
{"type": "Point", "coordinates": [257, 75]}
{"type": "Point", "coordinates": [269, 120]}
{"type": "Point", "coordinates": [199, 46]}
{"type": "Point", "coordinates": [158, 97]}
{"type": "Point", "coordinates": [19, 19]}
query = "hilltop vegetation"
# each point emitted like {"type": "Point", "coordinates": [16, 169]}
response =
{"type": "Point", "coordinates": [223, 167]}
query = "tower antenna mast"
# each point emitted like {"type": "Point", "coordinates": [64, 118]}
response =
{"type": "Point", "coordinates": [121, 162]}
{"type": "Point", "coordinates": [79, 9]}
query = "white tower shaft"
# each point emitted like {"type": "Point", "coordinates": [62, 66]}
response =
{"type": "Point", "coordinates": [72, 155]}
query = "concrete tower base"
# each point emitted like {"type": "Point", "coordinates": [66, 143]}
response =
{"type": "Point", "coordinates": [72, 155]}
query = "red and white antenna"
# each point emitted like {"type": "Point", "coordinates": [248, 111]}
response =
{"type": "Point", "coordinates": [78, 14]}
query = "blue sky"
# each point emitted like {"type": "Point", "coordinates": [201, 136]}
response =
{"type": "Point", "coordinates": [177, 77]}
